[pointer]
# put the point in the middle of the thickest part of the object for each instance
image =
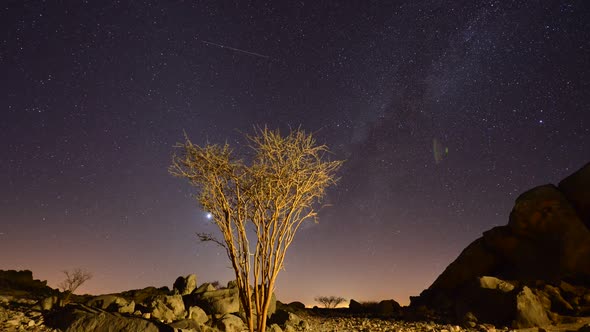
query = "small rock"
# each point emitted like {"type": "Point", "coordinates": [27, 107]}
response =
{"type": "Point", "coordinates": [34, 314]}
{"type": "Point", "coordinates": [275, 328]}
{"type": "Point", "coordinates": [13, 322]}
{"type": "Point", "coordinates": [31, 323]}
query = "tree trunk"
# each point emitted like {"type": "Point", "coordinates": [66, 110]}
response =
{"type": "Point", "coordinates": [262, 317]}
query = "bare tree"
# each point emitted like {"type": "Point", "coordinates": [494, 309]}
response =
{"type": "Point", "coordinates": [74, 279]}
{"type": "Point", "coordinates": [330, 301]}
{"type": "Point", "coordinates": [272, 195]}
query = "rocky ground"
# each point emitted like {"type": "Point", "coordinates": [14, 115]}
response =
{"type": "Point", "coordinates": [18, 315]}
{"type": "Point", "coordinates": [22, 315]}
{"type": "Point", "coordinates": [358, 324]}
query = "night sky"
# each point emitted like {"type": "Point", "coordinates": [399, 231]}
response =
{"type": "Point", "coordinates": [94, 94]}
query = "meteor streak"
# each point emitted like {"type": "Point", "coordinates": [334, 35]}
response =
{"type": "Point", "coordinates": [236, 49]}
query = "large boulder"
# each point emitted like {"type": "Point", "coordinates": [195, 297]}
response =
{"type": "Point", "coordinates": [546, 242]}
{"type": "Point", "coordinates": [558, 242]}
{"type": "Point", "coordinates": [219, 301]}
{"type": "Point", "coordinates": [167, 308]}
{"type": "Point", "coordinates": [185, 285]}
{"type": "Point", "coordinates": [81, 318]}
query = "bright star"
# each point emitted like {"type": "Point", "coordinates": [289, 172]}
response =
{"type": "Point", "coordinates": [209, 215]}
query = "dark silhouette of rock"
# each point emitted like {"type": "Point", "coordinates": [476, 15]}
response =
{"type": "Point", "coordinates": [546, 242]}
{"type": "Point", "coordinates": [388, 308]}
{"type": "Point", "coordinates": [296, 305]}
{"type": "Point", "coordinates": [355, 306]}
{"type": "Point", "coordinates": [21, 283]}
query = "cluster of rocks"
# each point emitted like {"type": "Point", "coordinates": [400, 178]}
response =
{"type": "Point", "coordinates": [534, 271]}
{"type": "Point", "coordinates": [188, 307]}
{"type": "Point", "coordinates": [29, 305]}
{"type": "Point", "coordinates": [16, 315]}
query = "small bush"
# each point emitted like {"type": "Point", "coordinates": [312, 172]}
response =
{"type": "Point", "coordinates": [74, 279]}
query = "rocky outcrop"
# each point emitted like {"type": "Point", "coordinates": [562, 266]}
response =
{"type": "Point", "coordinates": [21, 283]}
{"type": "Point", "coordinates": [513, 268]}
